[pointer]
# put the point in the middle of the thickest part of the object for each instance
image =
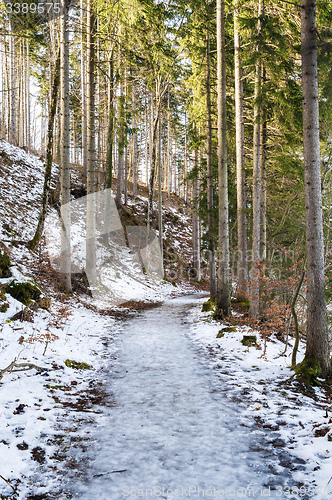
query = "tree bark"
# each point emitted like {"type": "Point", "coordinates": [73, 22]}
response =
{"type": "Point", "coordinates": [153, 165]}
{"type": "Point", "coordinates": [12, 88]}
{"type": "Point", "coordinates": [49, 157]}
{"type": "Point", "coordinates": [212, 263]}
{"type": "Point", "coordinates": [134, 151]}
{"type": "Point", "coordinates": [317, 348]}
{"type": "Point", "coordinates": [242, 256]}
{"type": "Point", "coordinates": [65, 147]}
{"type": "Point", "coordinates": [91, 146]}
{"type": "Point", "coordinates": [195, 223]}
{"type": "Point", "coordinates": [121, 141]}
{"type": "Point", "coordinates": [256, 220]}
{"type": "Point", "coordinates": [83, 89]}
{"type": "Point", "coordinates": [160, 196]}
{"type": "Point", "coordinates": [223, 303]}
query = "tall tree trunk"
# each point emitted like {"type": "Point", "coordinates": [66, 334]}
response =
{"type": "Point", "coordinates": [242, 255]}
{"type": "Point", "coordinates": [83, 88]}
{"type": "Point", "coordinates": [121, 141]}
{"type": "Point", "coordinates": [110, 134]}
{"type": "Point", "coordinates": [49, 158]}
{"type": "Point", "coordinates": [256, 220]}
{"type": "Point", "coordinates": [91, 146]}
{"type": "Point", "coordinates": [160, 195]}
{"type": "Point", "coordinates": [146, 143]}
{"type": "Point", "coordinates": [169, 155]}
{"type": "Point", "coordinates": [317, 347]}
{"type": "Point", "coordinates": [212, 263]}
{"type": "Point", "coordinates": [65, 147]}
{"type": "Point", "coordinates": [153, 164]}
{"type": "Point", "coordinates": [27, 93]}
{"type": "Point", "coordinates": [263, 185]}
{"type": "Point", "coordinates": [224, 306]}
{"type": "Point", "coordinates": [134, 153]}
{"type": "Point", "coordinates": [195, 223]}
{"type": "Point", "coordinates": [12, 87]}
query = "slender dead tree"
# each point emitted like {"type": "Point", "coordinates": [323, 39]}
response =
{"type": "Point", "coordinates": [49, 157]}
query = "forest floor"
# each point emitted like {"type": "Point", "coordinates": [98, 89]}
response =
{"type": "Point", "coordinates": [142, 399]}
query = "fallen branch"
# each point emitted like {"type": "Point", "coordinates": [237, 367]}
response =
{"type": "Point", "coordinates": [7, 482]}
{"type": "Point", "coordinates": [20, 367]}
{"type": "Point", "coordinates": [109, 472]}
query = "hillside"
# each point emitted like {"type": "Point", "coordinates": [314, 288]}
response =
{"type": "Point", "coordinates": [183, 394]}
{"type": "Point", "coordinates": [19, 215]}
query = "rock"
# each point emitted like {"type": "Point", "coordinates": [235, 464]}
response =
{"type": "Point", "coordinates": [249, 340]}
{"type": "Point", "coordinates": [207, 306]}
{"type": "Point", "coordinates": [4, 264]}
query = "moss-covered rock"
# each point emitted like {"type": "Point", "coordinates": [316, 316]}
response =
{"type": "Point", "coordinates": [308, 371]}
{"type": "Point", "coordinates": [249, 340]}
{"type": "Point", "coordinates": [71, 363]}
{"type": "Point", "coordinates": [207, 306]}
{"type": "Point", "coordinates": [225, 329]}
{"type": "Point", "coordinates": [3, 307]}
{"type": "Point", "coordinates": [4, 264]}
{"type": "Point", "coordinates": [24, 292]}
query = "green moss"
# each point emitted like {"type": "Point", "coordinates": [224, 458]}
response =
{"type": "Point", "coordinates": [208, 306]}
{"type": "Point", "coordinates": [249, 340]}
{"type": "Point", "coordinates": [245, 304]}
{"type": "Point", "coordinates": [24, 292]}
{"type": "Point", "coordinates": [225, 329]}
{"type": "Point", "coordinates": [4, 264]}
{"type": "Point", "coordinates": [3, 307]}
{"type": "Point", "coordinates": [307, 371]}
{"type": "Point", "coordinates": [71, 363]}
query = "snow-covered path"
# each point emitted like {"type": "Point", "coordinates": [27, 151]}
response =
{"type": "Point", "coordinates": [171, 432]}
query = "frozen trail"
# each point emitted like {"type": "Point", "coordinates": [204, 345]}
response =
{"type": "Point", "coordinates": [170, 428]}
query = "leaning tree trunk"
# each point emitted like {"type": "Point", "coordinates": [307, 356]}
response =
{"type": "Point", "coordinates": [212, 263]}
{"type": "Point", "coordinates": [317, 349]}
{"type": "Point", "coordinates": [242, 256]}
{"type": "Point", "coordinates": [153, 165]}
{"type": "Point", "coordinates": [256, 221]}
{"type": "Point", "coordinates": [224, 306]}
{"type": "Point", "coordinates": [49, 157]}
{"type": "Point", "coordinates": [65, 147]}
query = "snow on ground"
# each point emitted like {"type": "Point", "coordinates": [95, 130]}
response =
{"type": "Point", "coordinates": [258, 380]}
{"type": "Point", "coordinates": [187, 413]}
{"type": "Point", "coordinates": [235, 417]}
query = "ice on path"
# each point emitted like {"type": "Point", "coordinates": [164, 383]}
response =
{"type": "Point", "coordinates": [171, 433]}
